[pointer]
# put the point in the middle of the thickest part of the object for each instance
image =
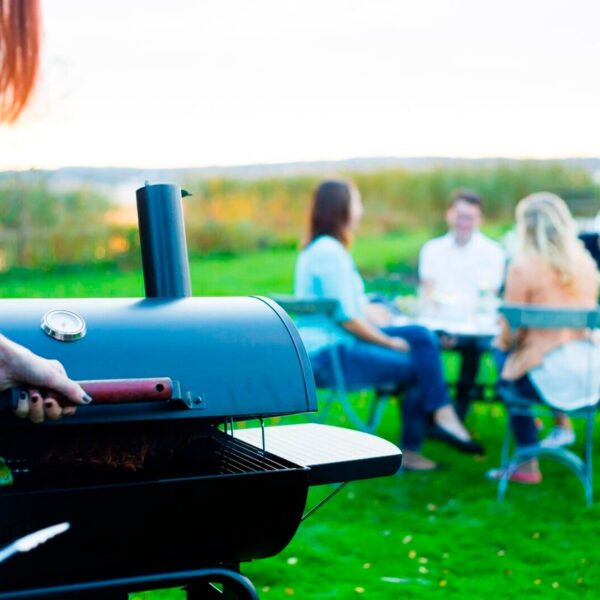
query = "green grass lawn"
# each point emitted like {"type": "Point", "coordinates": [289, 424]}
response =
{"type": "Point", "coordinates": [410, 536]}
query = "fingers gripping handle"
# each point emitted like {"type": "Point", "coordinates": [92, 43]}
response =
{"type": "Point", "coordinates": [104, 391]}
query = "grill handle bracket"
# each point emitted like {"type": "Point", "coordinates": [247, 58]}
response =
{"type": "Point", "coordinates": [193, 400]}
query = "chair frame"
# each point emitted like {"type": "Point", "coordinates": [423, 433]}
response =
{"type": "Point", "coordinates": [546, 317]}
{"type": "Point", "coordinates": [339, 391]}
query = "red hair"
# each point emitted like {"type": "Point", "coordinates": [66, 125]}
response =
{"type": "Point", "coordinates": [19, 55]}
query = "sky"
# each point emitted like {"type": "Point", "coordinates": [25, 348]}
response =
{"type": "Point", "coordinates": [184, 83]}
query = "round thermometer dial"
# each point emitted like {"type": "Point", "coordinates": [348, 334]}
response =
{"type": "Point", "coordinates": [63, 325]}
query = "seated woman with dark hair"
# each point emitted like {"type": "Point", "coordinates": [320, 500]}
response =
{"type": "Point", "coordinates": [373, 353]}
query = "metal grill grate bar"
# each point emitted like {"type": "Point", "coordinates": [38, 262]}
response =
{"type": "Point", "coordinates": [239, 457]}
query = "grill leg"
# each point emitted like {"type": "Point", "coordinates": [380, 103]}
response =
{"type": "Point", "coordinates": [210, 592]}
{"type": "Point", "coordinates": [107, 595]}
{"type": "Point", "coordinates": [234, 587]}
{"type": "Point", "coordinates": [200, 592]}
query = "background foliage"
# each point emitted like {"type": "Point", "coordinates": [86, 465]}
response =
{"type": "Point", "coordinates": [41, 227]}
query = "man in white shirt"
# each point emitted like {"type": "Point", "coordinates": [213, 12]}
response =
{"type": "Point", "coordinates": [457, 271]}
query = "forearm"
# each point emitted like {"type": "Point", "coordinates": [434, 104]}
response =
{"type": "Point", "coordinates": [19, 366]}
{"type": "Point", "coordinates": [508, 339]}
{"type": "Point", "coordinates": [517, 282]}
{"type": "Point", "coordinates": [364, 330]}
{"type": "Point", "coordinates": [378, 314]}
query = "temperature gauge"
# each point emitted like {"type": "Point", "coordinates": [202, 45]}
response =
{"type": "Point", "coordinates": [63, 325]}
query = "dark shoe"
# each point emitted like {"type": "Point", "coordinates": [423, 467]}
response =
{"type": "Point", "coordinates": [469, 446]}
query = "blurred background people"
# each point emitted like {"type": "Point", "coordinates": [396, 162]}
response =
{"type": "Point", "coordinates": [19, 60]}
{"type": "Point", "coordinates": [456, 272]}
{"type": "Point", "coordinates": [373, 352]}
{"type": "Point", "coordinates": [558, 366]}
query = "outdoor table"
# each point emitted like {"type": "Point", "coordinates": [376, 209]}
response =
{"type": "Point", "coordinates": [465, 333]}
{"type": "Point", "coordinates": [468, 329]}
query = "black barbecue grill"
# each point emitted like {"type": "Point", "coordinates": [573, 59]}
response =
{"type": "Point", "coordinates": [160, 485]}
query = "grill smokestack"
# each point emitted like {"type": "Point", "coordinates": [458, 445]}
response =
{"type": "Point", "coordinates": [163, 243]}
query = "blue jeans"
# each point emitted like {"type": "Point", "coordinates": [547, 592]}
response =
{"type": "Point", "coordinates": [522, 425]}
{"type": "Point", "coordinates": [420, 370]}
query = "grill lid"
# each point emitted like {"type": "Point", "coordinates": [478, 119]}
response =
{"type": "Point", "coordinates": [205, 357]}
{"type": "Point", "coordinates": [210, 357]}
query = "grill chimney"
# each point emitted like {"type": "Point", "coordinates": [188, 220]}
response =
{"type": "Point", "coordinates": [163, 243]}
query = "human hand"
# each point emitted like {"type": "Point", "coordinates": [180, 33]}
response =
{"type": "Point", "coordinates": [396, 343]}
{"type": "Point", "coordinates": [20, 366]}
{"type": "Point", "coordinates": [448, 342]}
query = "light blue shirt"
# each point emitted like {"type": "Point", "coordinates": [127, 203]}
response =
{"type": "Point", "coordinates": [326, 270]}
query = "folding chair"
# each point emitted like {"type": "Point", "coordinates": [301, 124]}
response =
{"type": "Point", "coordinates": [318, 330]}
{"type": "Point", "coordinates": [538, 317]}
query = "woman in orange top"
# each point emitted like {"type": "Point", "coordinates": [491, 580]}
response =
{"type": "Point", "coordinates": [552, 268]}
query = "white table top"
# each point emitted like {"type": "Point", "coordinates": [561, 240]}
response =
{"type": "Point", "coordinates": [482, 327]}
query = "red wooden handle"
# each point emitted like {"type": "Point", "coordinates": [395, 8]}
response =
{"type": "Point", "coordinates": [121, 391]}
{"type": "Point", "coordinates": [104, 391]}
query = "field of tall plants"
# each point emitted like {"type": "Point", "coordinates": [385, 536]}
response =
{"type": "Point", "coordinates": [234, 215]}
{"type": "Point", "coordinates": [41, 227]}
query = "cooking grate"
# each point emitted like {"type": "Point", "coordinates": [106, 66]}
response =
{"type": "Point", "coordinates": [240, 457]}
{"type": "Point", "coordinates": [180, 455]}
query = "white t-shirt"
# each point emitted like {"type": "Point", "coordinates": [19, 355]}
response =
{"type": "Point", "coordinates": [462, 273]}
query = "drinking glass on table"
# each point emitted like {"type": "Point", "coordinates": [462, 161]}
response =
{"type": "Point", "coordinates": [486, 314]}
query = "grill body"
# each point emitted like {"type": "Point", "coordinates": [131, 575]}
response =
{"type": "Point", "coordinates": [230, 503]}
{"type": "Point", "coordinates": [204, 497]}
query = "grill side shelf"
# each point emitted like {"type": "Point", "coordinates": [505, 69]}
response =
{"type": "Point", "coordinates": [333, 454]}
